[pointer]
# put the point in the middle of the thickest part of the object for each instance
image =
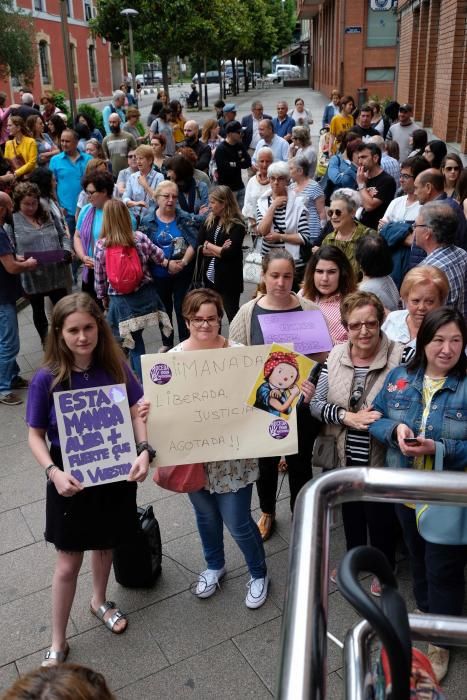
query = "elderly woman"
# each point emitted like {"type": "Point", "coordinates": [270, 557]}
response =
{"type": "Point", "coordinates": [139, 191]}
{"type": "Point", "coordinates": [134, 126]}
{"type": "Point", "coordinates": [257, 185]}
{"type": "Point", "coordinates": [352, 376]}
{"type": "Point", "coordinates": [34, 233]}
{"type": "Point", "coordinates": [276, 297]}
{"type": "Point", "coordinates": [301, 146]}
{"type": "Point", "coordinates": [21, 148]}
{"type": "Point", "coordinates": [282, 218]}
{"type": "Point", "coordinates": [347, 231]}
{"type": "Point", "coordinates": [45, 146]}
{"type": "Point", "coordinates": [301, 115]}
{"type": "Point", "coordinates": [192, 195]}
{"type": "Point", "coordinates": [221, 239]}
{"type": "Point", "coordinates": [328, 279]}
{"type": "Point", "coordinates": [422, 408]}
{"type": "Point", "coordinates": [313, 195]}
{"type": "Point", "coordinates": [424, 288]}
{"type": "Point", "coordinates": [177, 237]}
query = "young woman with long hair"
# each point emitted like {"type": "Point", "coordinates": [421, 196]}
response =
{"type": "Point", "coordinates": [80, 354]}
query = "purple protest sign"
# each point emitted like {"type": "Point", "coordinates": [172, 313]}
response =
{"type": "Point", "coordinates": [307, 330]}
{"type": "Point", "coordinates": [96, 433]}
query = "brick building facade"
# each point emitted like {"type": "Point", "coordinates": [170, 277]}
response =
{"type": "Point", "coordinates": [353, 45]}
{"type": "Point", "coordinates": [432, 72]}
{"type": "Point", "coordinates": [91, 55]}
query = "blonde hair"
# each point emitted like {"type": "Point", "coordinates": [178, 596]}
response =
{"type": "Point", "coordinates": [92, 165]}
{"type": "Point", "coordinates": [165, 185]}
{"type": "Point", "coordinates": [59, 359]}
{"type": "Point", "coordinates": [426, 274]}
{"type": "Point", "coordinates": [231, 214]}
{"type": "Point", "coordinates": [133, 112]}
{"type": "Point", "coordinates": [145, 152]}
{"type": "Point", "coordinates": [208, 126]}
{"type": "Point", "coordinates": [116, 224]}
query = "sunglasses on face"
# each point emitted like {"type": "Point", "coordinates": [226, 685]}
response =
{"type": "Point", "coordinates": [337, 212]}
{"type": "Point", "coordinates": [357, 326]}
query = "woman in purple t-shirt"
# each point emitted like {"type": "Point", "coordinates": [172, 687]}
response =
{"type": "Point", "coordinates": [81, 353]}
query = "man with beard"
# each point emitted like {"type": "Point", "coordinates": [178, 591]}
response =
{"type": "Point", "coordinates": [117, 145]}
{"type": "Point", "coordinates": [10, 291]}
{"type": "Point", "coordinates": [377, 188]}
{"type": "Point", "coordinates": [202, 150]}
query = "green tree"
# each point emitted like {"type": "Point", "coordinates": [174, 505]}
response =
{"type": "Point", "coordinates": [17, 42]}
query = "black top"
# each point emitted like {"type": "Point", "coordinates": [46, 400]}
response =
{"type": "Point", "coordinates": [228, 269]}
{"type": "Point", "coordinates": [386, 186]}
{"type": "Point", "coordinates": [365, 133]}
{"type": "Point", "coordinates": [10, 285]}
{"type": "Point", "coordinates": [230, 161]}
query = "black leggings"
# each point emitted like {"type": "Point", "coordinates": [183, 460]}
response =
{"type": "Point", "coordinates": [39, 317]}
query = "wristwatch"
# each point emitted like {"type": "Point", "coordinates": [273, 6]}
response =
{"type": "Point", "coordinates": [341, 414]}
{"type": "Point", "coordinates": [362, 187]}
{"type": "Point", "coordinates": [142, 446]}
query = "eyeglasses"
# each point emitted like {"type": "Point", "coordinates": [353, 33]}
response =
{"type": "Point", "coordinates": [420, 226]}
{"type": "Point", "coordinates": [90, 192]}
{"type": "Point", "coordinates": [451, 168]}
{"type": "Point", "coordinates": [198, 322]}
{"type": "Point", "coordinates": [406, 177]}
{"type": "Point", "coordinates": [280, 178]}
{"type": "Point", "coordinates": [337, 212]}
{"type": "Point", "coordinates": [357, 326]}
{"type": "Point", "coordinates": [131, 155]}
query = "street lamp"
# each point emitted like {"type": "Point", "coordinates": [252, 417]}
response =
{"type": "Point", "coordinates": [129, 13]}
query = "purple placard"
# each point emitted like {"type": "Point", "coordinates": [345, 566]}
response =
{"type": "Point", "coordinates": [307, 330]}
{"type": "Point", "coordinates": [46, 257]}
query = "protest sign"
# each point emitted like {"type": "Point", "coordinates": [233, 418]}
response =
{"type": "Point", "coordinates": [96, 433]}
{"type": "Point", "coordinates": [277, 386]}
{"type": "Point", "coordinates": [199, 411]}
{"type": "Point", "coordinates": [307, 330]}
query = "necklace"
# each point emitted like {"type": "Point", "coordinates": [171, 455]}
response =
{"type": "Point", "coordinates": [83, 370]}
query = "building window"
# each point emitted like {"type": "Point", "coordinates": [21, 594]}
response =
{"type": "Point", "coordinates": [38, 5]}
{"type": "Point", "coordinates": [380, 75]}
{"type": "Point", "coordinates": [382, 24]}
{"type": "Point", "coordinates": [73, 62]}
{"type": "Point", "coordinates": [69, 8]}
{"type": "Point", "coordinates": [92, 64]}
{"type": "Point", "coordinates": [87, 10]}
{"type": "Point", "coordinates": [44, 61]}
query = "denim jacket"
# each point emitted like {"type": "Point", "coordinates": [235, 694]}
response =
{"type": "Point", "coordinates": [400, 401]}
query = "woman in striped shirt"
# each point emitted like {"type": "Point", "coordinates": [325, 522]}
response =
{"type": "Point", "coordinates": [282, 219]}
{"type": "Point", "coordinates": [351, 377]}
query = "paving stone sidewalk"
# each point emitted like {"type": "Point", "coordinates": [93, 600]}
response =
{"type": "Point", "coordinates": [176, 646]}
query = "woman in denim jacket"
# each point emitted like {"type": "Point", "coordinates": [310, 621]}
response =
{"type": "Point", "coordinates": [427, 399]}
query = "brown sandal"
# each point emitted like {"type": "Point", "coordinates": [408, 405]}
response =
{"type": "Point", "coordinates": [266, 525]}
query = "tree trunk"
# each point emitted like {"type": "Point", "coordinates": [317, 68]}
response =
{"type": "Point", "coordinates": [245, 75]}
{"type": "Point", "coordinates": [200, 83]}
{"type": "Point", "coordinates": [221, 79]}
{"type": "Point", "coordinates": [165, 73]}
{"type": "Point", "coordinates": [234, 77]}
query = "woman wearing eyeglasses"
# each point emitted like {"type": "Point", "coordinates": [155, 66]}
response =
{"type": "Point", "coordinates": [350, 379]}
{"type": "Point", "coordinates": [347, 230]}
{"type": "Point", "coordinates": [451, 168]}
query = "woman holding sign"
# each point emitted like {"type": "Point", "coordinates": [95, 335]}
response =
{"type": "Point", "coordinates": [82, 354]}
{"type": "Point", "coordinates": [277, 297]}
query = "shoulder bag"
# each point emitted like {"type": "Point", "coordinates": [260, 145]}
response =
{"type": "Point", "coordinates": [197, 280]}
{"type": "Point", "coordinates": [442, 524]}
{"type": "Point", "coordinates": [184, 478]}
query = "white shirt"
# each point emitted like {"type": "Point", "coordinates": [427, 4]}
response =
{"type": "Point", "coordinates": [396, 328]}
{"type": "Point", "coordinates": [399, 210]}
{"type": "Point", "coordinates": [278, 145]}
{"type": "Point", "coordinates": [256, 137]}
{"type": "Point", "coordinates": [253, 191]}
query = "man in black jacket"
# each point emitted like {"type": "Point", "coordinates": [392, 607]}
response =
{"type": "Point", "coordinates": [231, 158]}
{"type": "Point", "coordinates": [202, 150]}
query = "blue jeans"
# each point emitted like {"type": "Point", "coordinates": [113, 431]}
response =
{"type": "Point", "coordinates": [233, 508]}
{"type": "Point", "coordinates": [9, 347]}
{"type": "Point", "coordinates": [136, 352]}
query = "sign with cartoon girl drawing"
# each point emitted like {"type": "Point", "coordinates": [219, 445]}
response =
{"type": "Point", "coordinates": [277, 387]}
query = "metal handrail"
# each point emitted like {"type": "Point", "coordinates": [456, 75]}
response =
{"type": "Point", "coordinates": [302, 663]}
{"type": "Point", "coordinates": [436, 629]}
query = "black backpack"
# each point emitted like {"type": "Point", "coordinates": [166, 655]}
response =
{"type": "Point", "coordinates": [137, 563]}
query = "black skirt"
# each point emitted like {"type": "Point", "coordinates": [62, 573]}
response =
{"type": "Point", "coordinates": [99, 517]}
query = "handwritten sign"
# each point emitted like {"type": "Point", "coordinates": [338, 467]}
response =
{"type": "Point", "coordinates": [277, 386]}
{"type": "Point", "coordinates": [96, 433]}
{"type": "Point", "coordinates": [199, 412]}
{"type": "Point", "coordinates": [307, 330]}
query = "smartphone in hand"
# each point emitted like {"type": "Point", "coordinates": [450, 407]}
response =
{"type": "Point", "coordinates": [413, 441]}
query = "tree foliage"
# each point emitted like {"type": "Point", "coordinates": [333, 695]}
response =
{"type": "Point", "coordinates": [17, 42]}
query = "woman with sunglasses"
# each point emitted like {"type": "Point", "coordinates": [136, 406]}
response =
{"type": "Point", "coordinates": [434, 153]}
{"type": "Point", "coordinates": [350, 379]}
{"type": "Point", "coordinates": [347, 230]}
{"type": "Point", "coordinates": [451, 168]}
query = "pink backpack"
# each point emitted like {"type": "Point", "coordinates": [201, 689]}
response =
{"type": "Point", "coordinates": [124, 268]}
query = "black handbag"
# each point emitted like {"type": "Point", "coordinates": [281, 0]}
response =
{"type": "Point", "coordinates": [137, 563]}
{"type": "Point", "coordinates": [325, 453]}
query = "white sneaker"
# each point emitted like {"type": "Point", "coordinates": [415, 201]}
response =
{"type": "Point", "coordinates": [257, 592]}
{"type": "Point", "coordinates": [208, 581]}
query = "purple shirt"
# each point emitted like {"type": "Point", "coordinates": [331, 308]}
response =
{"type": "Point", "coordinates": [40, 410]}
